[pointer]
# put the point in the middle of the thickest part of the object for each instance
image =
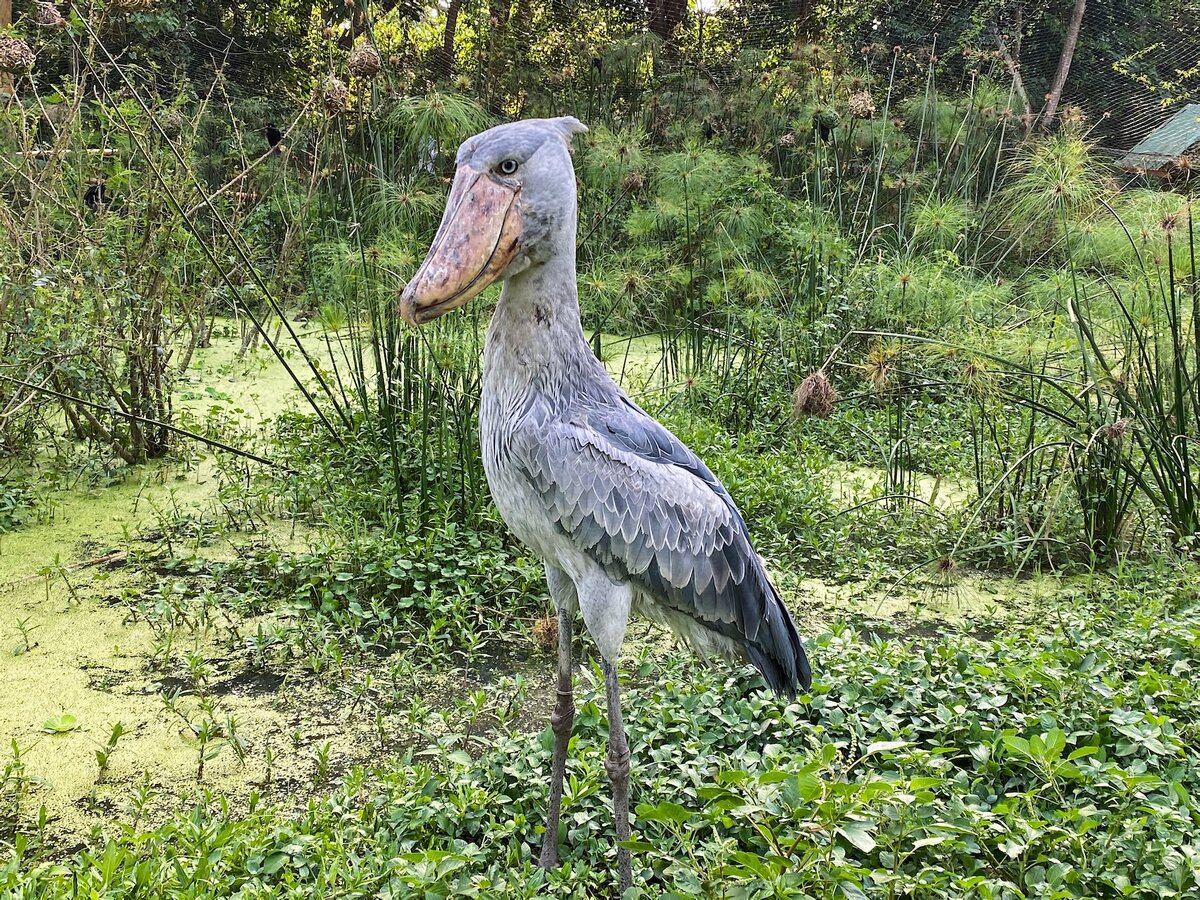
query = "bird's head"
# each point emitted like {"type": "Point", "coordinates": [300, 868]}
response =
{"type": "Point", "coordinates": [512, 204]}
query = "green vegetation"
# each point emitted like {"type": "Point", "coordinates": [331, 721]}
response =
{"type": "Point", "coordinates": [1057, 759]}
{"type": "Point", "coordinates": [262, 633]}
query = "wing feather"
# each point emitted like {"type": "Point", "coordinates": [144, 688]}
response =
{"type": "Point", "coordinates": [635, 498]}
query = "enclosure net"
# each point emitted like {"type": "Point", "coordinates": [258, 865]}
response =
{"type": "Point", "coordinates": [1133, 66]}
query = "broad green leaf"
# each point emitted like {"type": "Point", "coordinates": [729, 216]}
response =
{"type": "Point", "coordinates": [929, 841]}
{"type": "Point", "coordinates": [60, 724]}
{"type": "Point", "coordinates": [636, 846]}
{"type": "Point", "coordinates": [858, 834]}
{"type": "Point", "coordinates": [664, 812]}
{"type": "Point", "coordinates": [774, 776]}
{"type": "Point", "coordinates": [275, 862]}
{"type": "Point", "coordinates": [1016, 745]}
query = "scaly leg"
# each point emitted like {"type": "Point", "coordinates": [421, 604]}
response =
{"type": "Point", "coordinates": [561, 721]}
{"type": "Point", "coordinates": [617, 766]}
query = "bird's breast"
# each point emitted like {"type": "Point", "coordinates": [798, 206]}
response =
{"type": "Point", "coordinates": [530, 382]}
{"type": "Point", "coordinates": [502, 413]}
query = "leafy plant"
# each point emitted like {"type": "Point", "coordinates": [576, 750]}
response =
{"type": "Point", "coordinates": [104, 753]}
{"type": "Point", "coordinates": [61, 724]}
{"type": "Point", "coordinates": [26, 631]}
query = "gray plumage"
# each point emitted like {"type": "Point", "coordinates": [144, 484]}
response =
{"type": "Point", "coordinates": [624, 515]}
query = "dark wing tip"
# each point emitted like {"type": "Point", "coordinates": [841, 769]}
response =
{"type": "Point", "coordinates": [782, 677]}
{"type": "Point", "coordinates": [804, 669]}
{"type": "Point", "coordinates": [776, 650]}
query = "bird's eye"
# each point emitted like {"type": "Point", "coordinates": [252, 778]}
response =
{"type": "Point", "coordinates": [508, 167]}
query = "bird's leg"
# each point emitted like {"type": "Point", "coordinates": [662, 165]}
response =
{"type": "Point", "coordinates": [617, 766]}
{"type": "Point", "coordinates": [561, 721]}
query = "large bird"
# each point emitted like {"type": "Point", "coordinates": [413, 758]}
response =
{"type": "Point", "coordinates": [625, 517]}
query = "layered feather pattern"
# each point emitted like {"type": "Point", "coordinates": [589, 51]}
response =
{"type": "Point", "coordinates": [642, 505]}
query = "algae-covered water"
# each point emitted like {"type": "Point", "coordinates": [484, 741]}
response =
{"type": "Point", "coordinates": [71, 646]}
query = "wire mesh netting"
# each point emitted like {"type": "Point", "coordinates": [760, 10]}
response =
{"type": "Point", "coordinates": [1132, 65]}
{"type": "Point", "coordinates": [886, 267]}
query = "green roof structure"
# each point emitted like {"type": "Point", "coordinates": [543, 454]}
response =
{"type": "Point", "coordinates": [1158, 150]}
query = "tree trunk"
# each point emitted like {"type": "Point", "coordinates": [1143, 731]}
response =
{"type": "Point", "coordinates": [1014, 70]}
{"type": "Point", "coordinates": [666, 16]}
{"type": "Point", "coordinates": [524, 36]}
{"type": "Point", "coordinates": [1064, 64]}
{"type": "Point", "coordinates": [499, 15]}
{"type": "Point", "coordinates": [447, 58]}
{"type": "Point", "coordinates": [6, 80]}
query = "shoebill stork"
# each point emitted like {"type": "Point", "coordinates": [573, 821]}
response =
{"type": "Point", "coordinates": [626, 518]}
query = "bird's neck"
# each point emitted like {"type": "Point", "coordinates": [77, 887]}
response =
{"type": "Point", "coordinates": [535, 334]}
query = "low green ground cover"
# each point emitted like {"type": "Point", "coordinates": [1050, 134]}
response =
{"type": "Point", "coordinates": [1057, 757]}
